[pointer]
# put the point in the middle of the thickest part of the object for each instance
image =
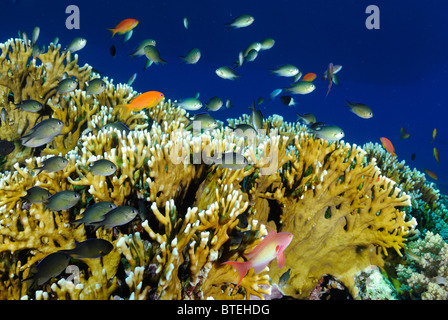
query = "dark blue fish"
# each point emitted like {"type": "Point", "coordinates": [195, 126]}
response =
{"type": "Point", "coordinates": [6, 147]}
{"type": "Point", "coordinates": [90, 249]}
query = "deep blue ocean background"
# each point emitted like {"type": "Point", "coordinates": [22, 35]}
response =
{"type": "Point", "coordinates": [400, 70]}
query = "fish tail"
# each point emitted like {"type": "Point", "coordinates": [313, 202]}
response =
{"type": "Point", "coordinates": [241, 267]}
{"type": "Point", "coordinates": [77, 223]}
{"type": "Point", "coordinates": [113, 32]}
{"type": "Point", "coordinates": [39, 170]}
{"type": "Point", "coordinates": [126, 106]}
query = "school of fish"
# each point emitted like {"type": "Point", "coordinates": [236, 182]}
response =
{"type": "Point", "coordinates": [106, 214]}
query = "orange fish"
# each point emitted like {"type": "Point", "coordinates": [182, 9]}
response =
{"type": "Point", "coordinates": [309, 77]}
{"type": "Point", "coordinates": [436, 154]}
{"type": "Point", "coordinates": [145, 100]}
{"type": "Point", "coordinates": [388, 146]}
{"type": "Point", "coordinates": [271, 247]}
{"type": "Point", "coordinates": [124, 26]}
{"type": "Point", "coordinates": [431, 174]}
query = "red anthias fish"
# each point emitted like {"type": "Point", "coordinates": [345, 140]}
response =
{"type": "Point", "coordinates": [329, 77]}
{"type": "Point", "coordinates": [145, 100]}
{"type": "Point", "coordinates": [330, 74]}
{"type": "Point", "coordinates": [124, 26]}
{"type": "Point", "coordinates": [271, 247]}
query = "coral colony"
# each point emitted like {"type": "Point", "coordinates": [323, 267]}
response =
{"type": "Point", "coordinates": [173, 209]}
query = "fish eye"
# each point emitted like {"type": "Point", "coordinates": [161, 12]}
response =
{"type": "Point", "coordinates": [76, 195]}
{"type": "Point", "coordinates": [112, 167]}
{"type": "Point", "coordinates": [60, 123]}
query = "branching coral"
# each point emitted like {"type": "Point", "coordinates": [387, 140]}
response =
{"type": "Point", "coordinates": [425, 273]}
{"type": "Point", "coordinates": [336, 204]}
{"type": "Point", "coordinates": [193, 214]}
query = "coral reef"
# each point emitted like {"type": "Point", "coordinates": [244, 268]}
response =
{"type": "Point", "coordinates": [425, 273]}
{"type": "Point", "coordinates": [192, 214]}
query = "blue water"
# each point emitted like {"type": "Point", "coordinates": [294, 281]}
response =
{"type": "Point", "coordinates": [400, 70]}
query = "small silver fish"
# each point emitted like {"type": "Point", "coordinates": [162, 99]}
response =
{"type": "Point", "coordinates": [205, 120]}
{"type": "Point", "coordinates": [240, 60]}
{"type": "Point", "coordinates": [4, 115]}
{"type": "Point", "coordinates": [284, 278]}
{"type": "Point", "coordinates": [307, 118]}
{"type": "Point", "coordinates": [191, 104]}
{"type": "Point", "coordinates": [49, 267]}
{"type": "Point", "coordinates": [103, 167]}
{"type": "Point", "coordinates": [192, 56]}
{"type": "Point", "coordinates": [253, 46]}
{"type": "Point", "coordinates": [267, 44]}
{"type": "Point", "coordinates": [227, 73]}
{"type": "Point", "coordinates": [35, 52]}
{"type": "Point", "coordinates": [90, 249]}
{"type": "Point", "coordinates": [251, 55]}
{"type": "Point", "coordinates": [256, 118]}
{"type": "Point", "coordinates": [25, 37]}
{"type": "Point", "coordinates": [186, 23]}
{"type": "Point", "coordinates": [77, 44]}
{"type": "Point", "coordinates": [286, 70]}
{"type": "Point", "coordinates": [132, 79]}
{"type": "Point", "coordinates": [42, 133]}
{"type": "Point", "coordinates": [36, 195]}
{"type": "Point", "coordinates": [53, 164]}
{"type": "Point", "coordinates": [327, 132]}
{"type": "Point", "coordinates": [154, 55]}
{"type": "Point", "coordinates": [35, 35]}
{"type": "Point", "coordinates": [244, 130]}
{"type": "Point", "coordinates": [140, 49]}
{"type": "Point", "coordinates": [29, 105]}
{"type": "Point", "coordinates": [128, 36]}
{"type": "Point", "coordinates": [360, 109]}
{"type": "Point", "coordinates": [275, 93]}
{"type": "Point", "coordinates": [241, 21]}
{"type": "Point", "coordinates": [232, 160]}
{"type": "Point", "coordinates": [96, 86]}
{"type": "Point", "coordinates": [301, 87]}
{"type": "Point", "coordinates": [94, 213]}
{"type": "Point", "coordinates": [63, 200]}
{"type": "Point", "coordinates": [214, 104]}
{"type": "Point", "coordinates": [67, 85]}
{"type": "Point", "coordinates": [229, 104]}
{"type": "Point", "coordinates": [117, 217]}
{"type": "Point", "coordinates": [116, 125]}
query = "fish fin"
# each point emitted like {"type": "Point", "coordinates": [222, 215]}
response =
{"type": "Point", "coordinates": [76, 223]}
{"type": "Point", "coordinates": [258, 269]}
{"type": "Point", "coordinates": [126, 106]}
{"type": "Point", "coordinates": [113, 32]}
{"type": "Point", "coordinates": [39, 170]}
{"type": "Point", "coordinates": [241, 267]}
{"type": "Point", "coordinates": [349, 103]}
{"type": "Point", "coordinates": [255, 251]}
{"type": "Point", "coordinates": [281, 260]}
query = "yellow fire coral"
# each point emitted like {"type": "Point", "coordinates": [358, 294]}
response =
{"type": "Point", "coordinates": [193, 214]}
{"type": "Point", "coordinates": [343, 214]}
